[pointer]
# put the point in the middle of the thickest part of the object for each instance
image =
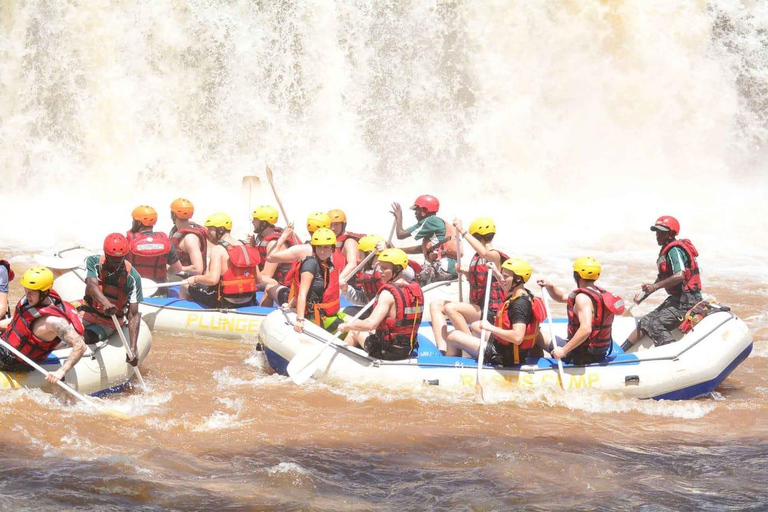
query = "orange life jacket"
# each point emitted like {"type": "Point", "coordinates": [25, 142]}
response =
{"type": "Point", "coordinates": [19, 332]}
{"type": "Point", "coordinates": [330, 302]}
{"type": "Point", "coordinates": [177, 235]}
{"type": "Point", "coordinates": [148, 254]}
{"type": "Point", "coordinates": [239, 280]}
{"type": "Point", "coordinates": [539, 313]}
{"type": "Point", "coordinates": [444, 249]}
{"type": "Point", "coordinates": [402, 330]}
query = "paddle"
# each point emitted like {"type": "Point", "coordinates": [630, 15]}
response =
{"type": "Point", "coordinates": [392, 232]}
{"type": "Point", "coordinates": [545, 297]}
{"type": "Point", "coordinates": [250, 185]}
{"type": "Point", "coordinates": [481, 351]}
{"type": "Point", "coordinates": [271, 180]}
{"type": "Point", "coordinates": [149, 287]}
{"type": "Point", "coordinates": [63, 385]}
{"type": "Point", "coordinates": [640, 298]}
{"type": "Point", "coordinates": [128, 352]}
{"type": "Point", "coordinates": [362, 263]}
{"type": "Point", "coordinates": [458, 265]}
{"type": "Point", "coordinates": [304, 364]}
{"type": "Point", "coordinates": [56, 263]}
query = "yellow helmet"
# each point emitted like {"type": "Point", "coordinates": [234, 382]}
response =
{"type": "Point", "coordinates": [394, 256]}
{"type": "Point", "coordinates": [520, 268]}
{"type": "Point", "coordinates": [266, 213]}
{"type": "Point", "coordinates": [219, 220]}
{"type": "Point", "coordinates": [337, 216]}
{"type": "Point", "coordinates": [323, 236]}
{"type": "Point", "coordinates": [37, 278]}
{"type": "Point", "coordinates": [145, 214]}
{"type": "Point", "coordinates": [482, 226]}
{"type": "Point", "coordinates": [369, 243]}
{"type": "Point", "coordinates": [318, 220]}
{"type": "Point", "coordinates": [587, 268]}
{"type": "Point", "coordinates": [183, 208]}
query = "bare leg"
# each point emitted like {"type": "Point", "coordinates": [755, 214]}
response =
{"type": "Point", "coordinates": [460, 313]}
{"type": "Point", "coordinates": [458, 341]}
{"type": "Point", "coordinates": [439, 326]}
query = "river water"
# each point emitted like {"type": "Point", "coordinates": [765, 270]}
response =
{"type": "Point", "coordinates": [573, 124]}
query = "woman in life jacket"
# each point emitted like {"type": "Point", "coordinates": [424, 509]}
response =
{"type": "Point", "coordinates": [345, 254]}
{"type": "Point", "coordinates": [480, 236]}
{"type": "Point", "coordinates": [265, 238]}
{"type": "Point", "coordinates": [233, 274]}
{"type": "Point", "coordinates": [151, 253]}
{"type": "Point", "coordinates": [515, 330]}
{"type": "Point", "coordinates": [315, 284]}
{"type": "Point", "coordinates": [396, 316]}
{"type": "Point", "coordinates": [362, 287]}
{"type": "Point", "coordinates": [189, 238]}
{"type": "Point", "coordinates": [41, 321]}
{"type": "Point", "coordinates": [591, 310]}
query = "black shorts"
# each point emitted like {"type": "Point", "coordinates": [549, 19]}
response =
{"type": "Point", "coordinates": [9, 363]}
{"type": "Point", "coordinates": [498, 354]}
{"type": "Point", "coordinates": [380, 349]}
{"type": "Point", "coordinates": [208, 296]}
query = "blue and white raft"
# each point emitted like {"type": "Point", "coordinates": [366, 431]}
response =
{"type": "Point", "coordinates": [101, 370]}
{"type": "Point", "coordinates": [693, 366]}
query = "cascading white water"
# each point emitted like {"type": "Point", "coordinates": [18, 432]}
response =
{"type": "Point", "coordinates": [574, 124]}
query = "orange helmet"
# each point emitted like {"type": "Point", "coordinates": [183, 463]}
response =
{"type": "Point", "coordinates": [183, 208]}
{"type": "Point", "coordinates": [145, 214]}
{"type": "Point", "coordinates": [337, 216]}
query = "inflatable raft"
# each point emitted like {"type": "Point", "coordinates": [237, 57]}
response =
{"type": "Point", "coordinates": [101, 370]}
{"type": "Point", "coordinates": [167, 314]}
{"type": "Point", "coordinates": [693, 366]}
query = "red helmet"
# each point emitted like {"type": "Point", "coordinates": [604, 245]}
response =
{"type": "Point", "coordinates": [666, 223]}
{"type": "Point", "coordinates": [430, 203]}
{"type": "Point", "coordinates": [116, 245]}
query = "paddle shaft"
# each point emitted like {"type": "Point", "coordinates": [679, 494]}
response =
{"type": "Point", "coordinates": [128, 351]}
{"type": "Point", "coordinates": [640, 299]}
{"type": "Point", "coordinates": [481, 351]}
{"type": "Point", "coordinates": [458, 265]}
{"type": "Point", "coordinates": [545, 297]}
{"type": "Point", "coordinates": [392, 232]}
{"type": "Point", "coordinates": [279, 202]}
{"type": "Point", "coordinates": [40, 369]}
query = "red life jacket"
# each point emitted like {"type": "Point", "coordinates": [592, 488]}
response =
{"type": "Point", "coordinates": [478, 273]}
{"type": "Point", "coordinates": [343, 238]}
{"type": "Point", "coordinates": [415, 266]}
{"type": "Point", "coordinates": [691, 276]}
{"type": "Point", "coordinates": [606, 305]}
{"type": "Point", "coordinates": [177, 235]}
{"type": "Point", "coordinates": [369, 281]}
{"type": "Point", "coordinates": [539, 313]}
{"type": "Point", "coordinates": [402, 330]}
{"type": "Point", "coordinates": [330, 302]}
{"type": "Point", "coordinates": [115, 294]}
{"type": "Point", "coordinates": [339, 258]}
{"type": "Point", "coordinates": [148, 254]}
{"type": "Point", "coordinates": [239, 280]}
{"type": "Point", "coordinates": [283, 268]}
{"type": "Point", "coordinates": [19, 332]}
{"type": "Point", "coordinates": [8, 267]}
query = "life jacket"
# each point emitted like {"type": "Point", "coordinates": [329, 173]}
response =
{"type": "Point", "coordinates": [339, 258]}
{"type": "Point", "coordinates": [477, 275]}
{"type": "Point", "coordinates": [343, 238]}
{"type": "Point", "coordinates": [444, 249]}
{"type": "Point", "coordinates": [177, 235]}
{"type": "Point", "coordinates": [369, 281]}
{"type": "Point", "coordinates": [115, 294]}
{"type": "Point", "coordinates": [402, 330]}
{"type": "Point", "coordinates": [19, 332]}
{"type": "Point", "coordinates": [606, 305]}
{"type": "Point", "coordinates": [539, 313]}
{"type": "Point", "coordinates": [330, 301]}
{"type": "Point", "coordinates": [8, 267]}
{"type": "Point", "coordinates": [148, 254]}
{"type": "Point", "coordinates": [691, 276]}
{"type": "Point", "coordinates": [261, 244]}
{"type": "Point", "coordinates": [415, 266]}
{"type": "Point", "coordinates": [239, 280]}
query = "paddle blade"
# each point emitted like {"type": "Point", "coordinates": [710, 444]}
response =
{"type": "Point", "coordinates": [304, 364]}
{"type": "Point", "coordinates": [148, 287]}
{"type": "Point", "coordinates": [57, 263]}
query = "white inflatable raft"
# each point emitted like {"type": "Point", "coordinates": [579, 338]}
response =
{"type": "Point", "coordinates": [101, 370]}
{"type": "Point", "coordinates": [693, 366]}
{"type": "Point", "coordinates": [167, 314]}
